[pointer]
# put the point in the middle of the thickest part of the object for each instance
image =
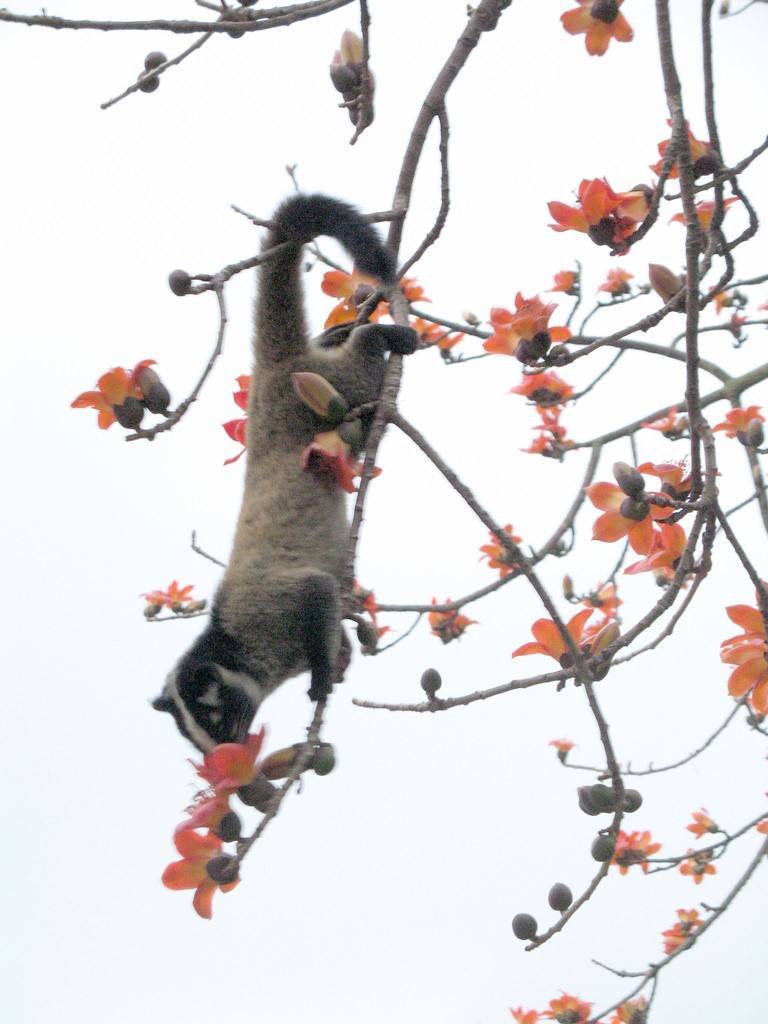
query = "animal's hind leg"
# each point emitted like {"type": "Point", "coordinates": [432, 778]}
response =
{"type": "Point", "coordinates": [320, 624]}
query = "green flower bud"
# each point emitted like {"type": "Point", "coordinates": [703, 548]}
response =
{"type": "Point", "coordinates": [603, 847]}
{"type": "Point", "coordinates": [524, 926]}
{"type": "Point", "coordinates": [560, 897]}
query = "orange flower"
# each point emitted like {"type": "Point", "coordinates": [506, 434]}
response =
{"type": "Point", "coordinates": [704, 212]}
{"type": "Point", "coordinates": [679, 933]}
{"type": "Point", "coordinates": [674, 476]}
{"type": "Point", "coordinates": [412, 290]}
{"type": "Point", "coordinates": [608, 217]}
{"type": "Point", "coordinates": [633, 848]}
{"type": "Point", "coordinates": [366, 602]}
{"type": "Point", "coordinates": [749, 652]}
{"type": "Point", "coordinates": [671, 426]}
{"type": "Point", "coordinates": [241, 395]}
{"type": "Point", "coordinates": [544, 389]}
{"type": "Point", "coordinates": [434, 334]}
{"type": "Point", "coordinates": [737, 420]}
{"type": "Point", "coordinates": [762, 828]}
{"type": "Point", "coordinates": [190, 873]}
{"type": "Point", "coordinates": [666, 549]}
{"type": "Point", "coordinates": [231, 765]}
{"type": "Point", "coordinates": [551, 442]}
{"type": "Point", "coordinates": [206, 812]}
{"type": "Point", "coordinates": [525, 332]}
{"type": "Point", "coordinates": [566, 281]}
{"type": "Point", "coordinates": [617, 282]}
{"type": "Point", "coordinates": [614, 524]}
{"type": "Point", "coordinates": [562, 746]}
{"type": "Point", "coordinates": [604, 599]}
{"type": "Point", "coordinates": [722, 300]}
{"type": "Point", "coordinates": [698, 865]}
{"type": "Point", "coordinates": [329, 457]}
{"type": "Point", "coordinates": [448, 625]}
{"type": "Point", "coordinates": [633, 1011]}
{"type": "Point", "coordinates": [601, 22]}
{"type": "Point", "coordinates": [568, 1010]}
{"type": "Point", "coordinates": [550, 641]}
{"type": "Point", "coordinates": [352, 289]}
{"type": "Point", "coordinates": [174, 597]}
{"type": "Point", "coordinates": [522, 1016]}
{"type": "Point", "coordinates": [702, 823]}
{"type": "Point", "coordinates": [704, 158]}
{"type": "Point", "coordinates": [236, 429]}
{"type": "Point", "coordinates": [497, 555]}
{"type": "Point", "coordinates": [735, 324]}
{"type": "Point", "coordinates": [114, 387]}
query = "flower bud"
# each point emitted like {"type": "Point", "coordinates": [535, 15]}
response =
{"type": "Point", "coordinates": [258, 793]}
{"type": "Point", "coordinates": [154, 60]}
{"type": "Point", "coordinates": [585, 801]}
{"type": "Point", "coordinates": [559, 355]}
{"type": "Point", "coordinates": [524, 926]}
{"type": "Point", "coordinates": [280, 763]}
{"type": "Point", "coordinates": [431, 681]}
{"type": "Point", "coordinates": [351, 47]}
{"type": "Point", "coordinates": [632, 801]}
{"type": "Point", "coordinates": [351, 433]}
{"type": "Point", "coordinates": [195, 606]}
{"type": "Point", "coordinates": [603, 797]}
{"type": "Point", "coordinates": [223, 869]}
{"type": "Point", "coordinates": [603, 847]}
{"type": "Point", "coordinates": [156, 395]}
{"type": "Point", "coordinates": [324, 760]}
{"type": "Point", "coordinates": [604, 638]}
{"type": "Point", "coordinates": [469, 318]}
{"type": "Point", "coordinates": [130, 413]}
{"type": "Point", "coordinates": [634, 510]}
{"type": "Point", "coordinates": [754, 434]}
{"type": "Point", "coordinates": [367, 635]}
{"type": "Point", "coordinates": [229, 827]}
{"type": "Point", "coordinates": [629, 479]}
{"type": "Point", "coordinates": [148, 84]}
{"type": "Point", "coordinates": [344, 76]}
{"type": "Point", "coordinates": [179, 282]}
{"type": "Point", "coordinates": [320, 396]}
{"type": "Point", "coordinates": [151, 610]}
{"type": "Point", "coordinates": [560, 897]}
{"type": "Point", "coordinates": [605, 11]}
{"type": "Point", "coordinates": [663, 281]}
{"type": "Point", "coordinates": [568, 588]}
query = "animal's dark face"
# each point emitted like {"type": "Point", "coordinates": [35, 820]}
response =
{"type": "Point", "coordinates": [209, 703]}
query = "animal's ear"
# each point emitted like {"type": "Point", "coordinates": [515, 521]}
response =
{"type": "Point", "coordinates": [162, 703]}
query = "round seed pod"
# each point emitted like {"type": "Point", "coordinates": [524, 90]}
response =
{"type": "Point", "coordinates": [130, 413]}
{"type": "Point", "coordinates": [179, 282]}
{"type": "Point", "coordinates": [603, 797]}
{"type": "Point", "coordinates": [258, 793]}
{"type": "Point", "coordinates": [223, 868]}
{"type": "Point", "coordinates": [154, 60]}
{"type": "Point", "coordinates": [560, 897]}
{"type": "Point", "coordinates": [324, 760]}
{"type": "Point", "coordinates": [585, 801]}
{"type": "Point", "coordinates": [229, 827]}
{"type": "Point", "coordinates": [431, 681]}
{"type": "Point", "coordinates": [524, 926]}
{"type": "Point", "coordinates": [603, 847]}
{"type": "Point", "coordinates": [633, 800]}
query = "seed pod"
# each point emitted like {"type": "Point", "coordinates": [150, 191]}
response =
{"type": "Point", "coordinates": [258, 793]}
{"type": "Point", "coordinates": [154, 60]}
{"type": "Point", "coordinates": [431, 682]}
{"type": "Point", "coordinates": [324, 760]}
{"type": "Point", "coordinates": [179, 282]}
{"type": "Point", "coordinates": [560, 897]}
{"type": "Point", "coordinates": [603, 847]}
{"type": "Point", "coordinates": [229, 827]}
{"type": "Point", "coordinates": [634, 510]}
{"type": "Point", "coordinates": [629, 479]}
{"type": "Point", "coordinates": [223, 869]}
{"type": "Point", "coordinates": [633, 800]}
{"type": "Point", "coordinates": [148, 84]}
{"type": "Point", "coordinates": [524, 926]}
{"type": "Point", "coordinates": [130, 413]}
{"type": "Point", "coordinates": [603, 797]}
{"type": "Point", "coordinates": [585, 801]}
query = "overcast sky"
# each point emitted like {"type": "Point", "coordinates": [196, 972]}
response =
{"type": "Point", "coordinates": [385, 891]}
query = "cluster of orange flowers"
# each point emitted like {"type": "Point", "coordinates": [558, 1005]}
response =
{"type": "Point", "coordinates": [177, 599]}
{"type": "Point", "coordinates": [748, 652]}
{"type": "Point", "coordinates": [568, 1009]}
{"type": "Point", "coordinates": [448, 626]}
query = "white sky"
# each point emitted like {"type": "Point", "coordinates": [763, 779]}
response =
{"type": "Point", "coordinates": [386, 890]}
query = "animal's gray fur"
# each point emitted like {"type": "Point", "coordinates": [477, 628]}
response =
{"type": "Point", "coordinates": [278, 611]}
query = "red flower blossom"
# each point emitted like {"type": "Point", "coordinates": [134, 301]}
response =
{"type": "Point", "coordinates": [702, 823]}
{"type": "Point", "coordinates": [522, 1016]}
{"type": "Point", "coordinates": [497, 555]}
{"type": "Point", "coordinates": [549, 640]}
{"type": "Point", "coordinates": [545, 389]}
{"type": "Point", "coordinates": [749, 652]}
{"type": "Point", "coordinates": [562, 746]}
{"type": "Point", "coordinates": [236, 429]}
{"type": "Point", "coordinates": [190, 873]}
{"type": "Point", "coordinates": [566, 281]}
{"type": "Point", "coordinates": [633, 1011]}
{"type": "Point", "coordinates": [529, 323]}
{"type": "Point", "coordinates": [737, 420]}
{"type": "Point", "coordinates": [206, 812]}
{"type": "Point", "coordinates": [704, 158]}
{"type": "Point", "coordinates": [434, 334]}
{"type": "Point", "coordinates": [705, 211]}
{"type": "Point", "coordinates": [552, 441]}
{"type": "Point", "coordinates": [698, 865]}
{"type": "Point", "coordinates": [605, 599]}
{"type": "Point", "coordinates": [668, 544]}
{"type": "Point", "coordinates": [600, 21]}
{"type": "Point", "coordinates": [568, 1010]}
{"type": "Point", "coordinates": [114, 387]}
{"type": "Point", "coordinates": [352, 289]}
{"type": "Point", "coordinates": [680, 932]}
{"type": "Point", "coordinates": [633, 848]}
{"type": "Point", "coordinates": [329, 456]}
{"type": "Point", "coordinates": [671, 426]}
{"type": "Point", "coordinates": [614, 524]}
{"type": "Point", "coordinates": [173, 597]}
{"type": "Point", "coordinates": [608, 217]}
{"type": "Point", "coordinates": [231, 765]}
{"type": "Point", "coordinates": [617, 282]}
{"type": "Point", "coordinates": [448, 625]}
